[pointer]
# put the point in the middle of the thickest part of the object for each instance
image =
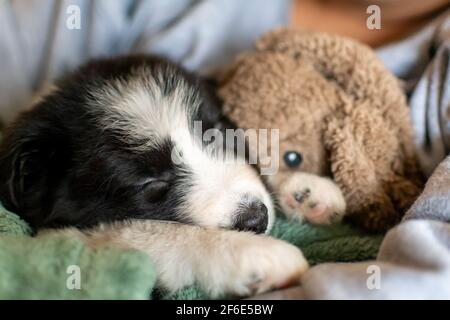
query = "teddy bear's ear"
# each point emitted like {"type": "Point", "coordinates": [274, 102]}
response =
{"type": "Point", "coordinates": [356, 175]}
{"type": "Point", "coordinates": [364, 152]}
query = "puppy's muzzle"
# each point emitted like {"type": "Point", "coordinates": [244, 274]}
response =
{"type": "Point", "coordinates": [252, 216]}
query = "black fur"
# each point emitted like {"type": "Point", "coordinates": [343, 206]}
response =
{"type": "Point", "coordinates": [59, 167]}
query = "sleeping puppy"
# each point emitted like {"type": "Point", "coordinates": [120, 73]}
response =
{"type": "Point", "coordinates": [110, 156]}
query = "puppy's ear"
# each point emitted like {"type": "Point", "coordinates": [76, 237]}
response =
{"type": "Point", "coordinates": [210, 112]}
{"type": "Point", "coordinates": [25, 158]}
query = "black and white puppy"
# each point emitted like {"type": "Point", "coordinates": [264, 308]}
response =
{"type": "Point", "coordinates": [111, 151]}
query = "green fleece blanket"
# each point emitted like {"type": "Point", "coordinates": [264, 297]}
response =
{"type": "Point", "coordinates": [61, 267]}
{"type": "Point", "coordinates": [42, 268]}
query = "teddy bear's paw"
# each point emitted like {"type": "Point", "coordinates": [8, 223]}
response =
{"type": "Point", "coordinates": [255, 264]}
{"type": "Point", "coordinates": [308, 197]}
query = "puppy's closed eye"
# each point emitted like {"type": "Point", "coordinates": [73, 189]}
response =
{"type": "Point", "coordinates": [154, 189]}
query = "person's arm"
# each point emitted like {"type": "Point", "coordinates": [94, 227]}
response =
{"type": "Point", "coordinates": [399, 18]}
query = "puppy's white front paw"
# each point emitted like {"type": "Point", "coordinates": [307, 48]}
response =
{"type": "Point", "coordinates": [312, 198]}
{"type": "Point", "coordinates": [254, 264]}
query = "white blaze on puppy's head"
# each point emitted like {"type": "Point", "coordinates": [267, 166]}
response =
{"type": "Point", "coordinates": [213, 191]}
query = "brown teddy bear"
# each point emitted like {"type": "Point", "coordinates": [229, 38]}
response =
{"type": "Point", "coordinates": [345, 137]}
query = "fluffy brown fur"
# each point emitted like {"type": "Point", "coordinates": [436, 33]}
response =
{"type": "Point", "coordinates": [337, 104]}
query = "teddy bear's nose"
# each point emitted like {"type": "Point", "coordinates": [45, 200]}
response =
{"type": "Point", "coordinates": [252, 217]}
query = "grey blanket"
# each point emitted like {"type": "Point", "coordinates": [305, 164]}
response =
{"type": "Point", "coordinates": [422, 61]}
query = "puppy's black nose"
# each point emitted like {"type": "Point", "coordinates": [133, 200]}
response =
{"type": "Point", "coordinates": [252, 217]}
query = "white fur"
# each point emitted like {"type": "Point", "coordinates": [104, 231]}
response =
{"type": "Point", "coordinates": [219, 187]}
{"type": "Point", "coordinates": [138, 109]}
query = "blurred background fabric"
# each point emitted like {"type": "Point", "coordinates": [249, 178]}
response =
{"type": "Point", "coordinates": [422, 61]}
{"type": "Point", "coordinates": [36, 46]}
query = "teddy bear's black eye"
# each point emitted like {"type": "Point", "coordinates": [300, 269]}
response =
{"type": "Point", "coordinates": [293, 159]}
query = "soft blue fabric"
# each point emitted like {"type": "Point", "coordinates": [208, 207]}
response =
{"type": "Point", "coordinates": [36, 46]}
